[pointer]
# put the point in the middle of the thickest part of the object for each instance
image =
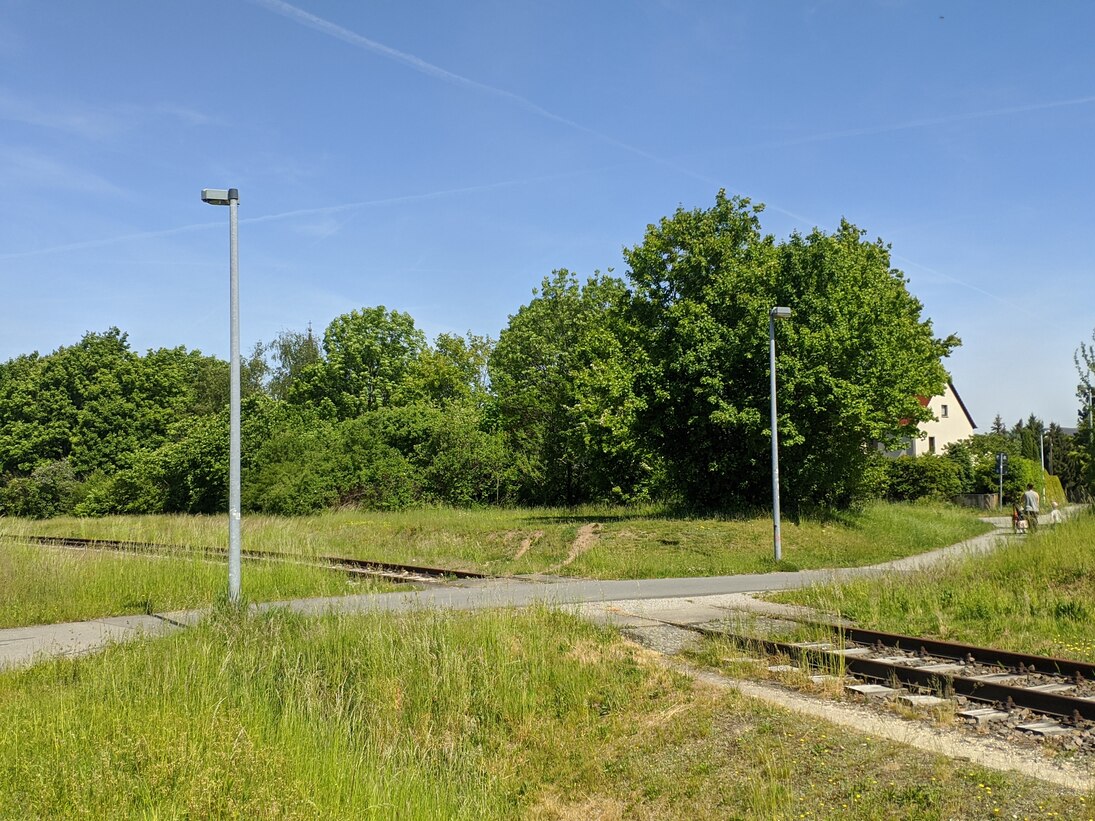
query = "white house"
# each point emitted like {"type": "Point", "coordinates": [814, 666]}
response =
{"type": "Point", "coordinates": [951, 423]}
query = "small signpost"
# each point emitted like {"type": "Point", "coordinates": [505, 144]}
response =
{"type": "Point", "coordinates": [1001, 464]}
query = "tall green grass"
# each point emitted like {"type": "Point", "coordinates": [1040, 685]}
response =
{"type": "Point", "coordinates": [630, 543]}
{"type": "Point", "coordinates": [495, 715]}
{"type": "Point", "coordinates": [425, 716]}
{"type": "Point", "coordinates": [47, 585]}
{"type": "Point", "coordinates": [1034, 594]}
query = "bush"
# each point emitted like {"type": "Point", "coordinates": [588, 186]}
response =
{"type": "Point", "coordinates": [375, 474]}
{"type": "Point", "coordinates": [139, 488]}
{"type": "Point", "coordinates": [295, 472]}
{"type": "Point", "coordinates": [186, 475]}
{"type": "Point", "coordinates": [52, 489]}
{"type": "Point", "coordinates": [1054, 492]}
{"type": "Point", "coordinates": [923, 477]}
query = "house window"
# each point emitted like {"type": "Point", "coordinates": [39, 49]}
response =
{"type": "Point", "coordinates": [943, 412]}
{"type": "Point", "coordinates": [931, 444]}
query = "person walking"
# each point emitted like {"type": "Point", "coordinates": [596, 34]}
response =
{"type": "Point", "coordinates": [1030, 507]}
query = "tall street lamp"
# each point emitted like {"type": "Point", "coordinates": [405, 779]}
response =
{"type": "Point", "coordinates": [773, 315]}
{"type": "Point", "coordinates": [231, 198]}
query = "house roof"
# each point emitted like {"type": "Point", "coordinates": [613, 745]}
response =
{"type": "Point", "coordinates": [962, 405]}
{"type": "Point", "coordinates": [924, 400]}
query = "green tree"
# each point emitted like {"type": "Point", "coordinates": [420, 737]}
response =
{"type": "Point", "coordinates": [1060, 461]}
{"type": "Point", "coordinates": [562, 375]}
{"type": "Point", "coordinates": [292, 353]}
{"type": "Point", "coordinates": [452, 370]}
{"type": "Point", "coordinates": [852, 360]}
{"type": "Point", "coordinates": [51, 489]}
{"type": "Point", "coordinates": [85, 403]}
{"type": "Point", "coordinates": [449, 457]}
{"type": "Point", "coordinates": [97, 403]}
{"type": "Point", "coordinates": [1082, 452]}
{"type": "Point", "coordinates": [961, 454]}
{"type": "Point", "coordinates": [981, 449]}
{"type": "Point", "coordinates": [294, 461]}
{"type": "Point", "coordinates": [367, 355]}
{"type": "Point", "coordinates": [1026, 434]}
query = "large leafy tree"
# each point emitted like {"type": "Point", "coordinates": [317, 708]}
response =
{"type": "Point", "coordinates": [451, 371]}
{"type": "Point", "coordinates": [97, 402]}
{"type": "Point", "coordinates": [367, 354]}
{"type": "Point", "coordinates": [292, 352]}
{"type": "Point", "coordinates": [562, 375]}
{"type": "Point", "coordinates": [95, 419]}
{"type": "Point", "coordinates": [859, 356]}
{"type": "Point", "coordinates": [852, 360]}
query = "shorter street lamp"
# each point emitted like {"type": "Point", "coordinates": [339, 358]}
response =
{"type": "Point", "coordinates": [1042, 447]}
{"type": "Point", "coordinates": [231, 198]}
{"type": "Point", "coordinates": [773, 315]}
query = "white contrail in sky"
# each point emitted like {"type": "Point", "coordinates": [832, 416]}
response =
{"type": "Point", "coordinates": [303, 212]}
{"type": "Point", "coordinates": [926, 122]}
{"type": "Point", "coordinates": [897, 258]}
{"type": "Point", "coordinates": [418, 64]}
{"type": "Point", "coordinates": [429, 195]}
{"type": "Point", "coordinates": [95, 243]}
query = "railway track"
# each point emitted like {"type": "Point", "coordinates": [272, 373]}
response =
{"type": "Point", "coordinates": [1056, 695]}
{"type": "Point", "coordinates": [388, 571]}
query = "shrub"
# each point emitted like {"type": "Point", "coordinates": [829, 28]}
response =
{"type": "Point", "coordinates": [923, 477]}
{"type": "Point", "coordinates": [294, 472]}
{"type": "Point", "coordinates": [52, 489]}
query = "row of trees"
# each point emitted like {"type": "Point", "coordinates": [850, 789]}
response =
{"type": "Point", "coordinates": [612, 389]}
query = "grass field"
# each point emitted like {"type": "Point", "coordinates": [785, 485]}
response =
{"type": "Point", "coordinates": [616, 543]}
{"type": "Point", "coordinates": [51, 585]}
{"type": "Point", "coordinates": [1036, 594]}
{"type": "Point", "coordinates": [494, 715]}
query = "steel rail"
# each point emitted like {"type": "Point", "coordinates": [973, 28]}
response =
{"type": "Point", "coordinates": [943, 683]}
{"type": "Point", "coordinates": [1023, 662]}
{"type": "Point", "coordinates": [388, 569]}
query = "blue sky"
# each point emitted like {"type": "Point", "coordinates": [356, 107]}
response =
{"type": "Point", "coordinates": [441, 158]}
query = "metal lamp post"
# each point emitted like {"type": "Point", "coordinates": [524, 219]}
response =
{"type": "Point", "coordinates": [231, 198]}
{"type": "Point", "coordinates": [773, 315]}
{"type": "Point", "coordinates": [1042, 448]}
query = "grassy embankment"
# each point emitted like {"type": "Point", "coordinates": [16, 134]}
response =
{"type": "Point", "coordinates": [44, 585]}
{"type": "Point", "coordinates": [500, 714]}
{"type": "Point", "coordinates": [1036, 594]}
{"type": "Point", "coordinates": [53, 585]}
{"type": "Point", "coordinates": [626, 543]}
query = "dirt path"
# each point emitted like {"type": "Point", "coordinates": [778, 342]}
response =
{"type": "Point", "coordinates": [528, 542]}
{"type": "Point", "coordinates": [587, 536]}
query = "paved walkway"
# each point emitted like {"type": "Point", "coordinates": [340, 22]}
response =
{"type": "Point", "coordinates": [618, 602]}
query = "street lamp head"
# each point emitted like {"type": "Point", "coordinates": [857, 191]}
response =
{"type": "Point", "coordinates": [780, 313]}
{"type": "Point", "coordinates": [220, 196]}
